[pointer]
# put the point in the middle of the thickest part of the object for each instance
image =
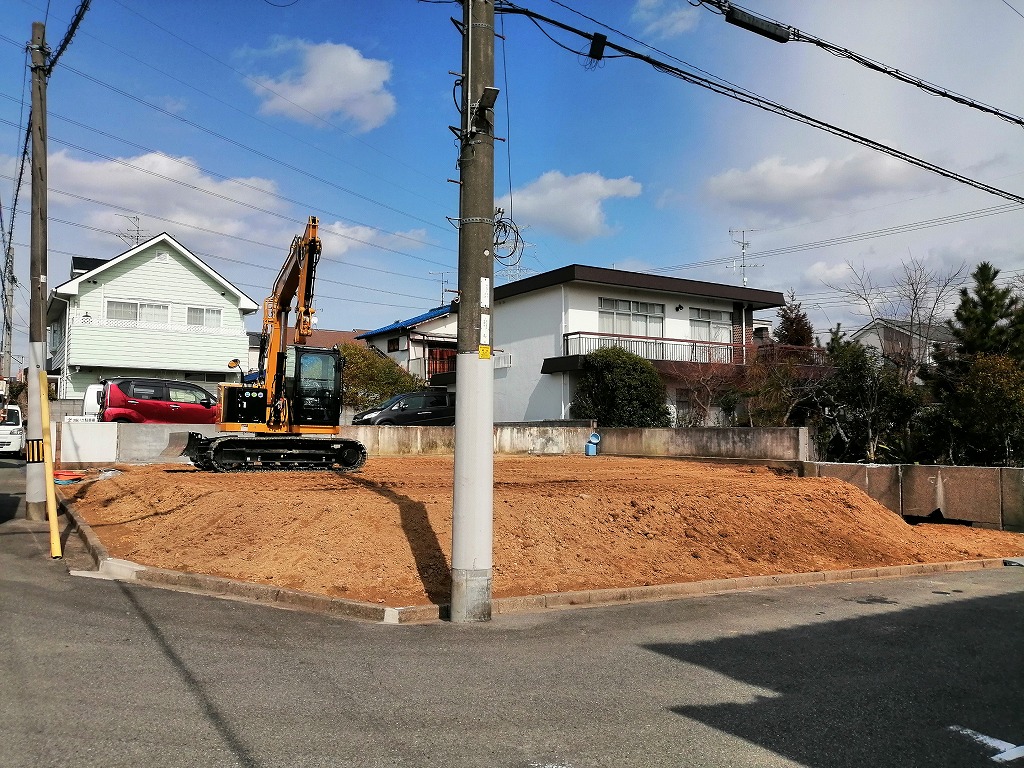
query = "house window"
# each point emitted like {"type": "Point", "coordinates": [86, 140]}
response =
{"type": "Point", "coordinates": [56, 336]}
{"type": "Point", "coordinates": [205, 318]}
{"type": "Point", "coordinates": [393, 344]}
{"type": "Point", "coordinates": [136, 312]}
{"type": "Point", "coordinates": [630, 318]}
{"type": "Point", "coordinates": [710, 325]}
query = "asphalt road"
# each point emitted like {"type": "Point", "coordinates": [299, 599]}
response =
{"type": "Point", "coordinates": [869, 674]}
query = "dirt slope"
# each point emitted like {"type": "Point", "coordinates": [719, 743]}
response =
{"type": "Point", "coordinates": [560, 523]}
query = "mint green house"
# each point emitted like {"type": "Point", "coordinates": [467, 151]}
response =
{"type": "Point", "coordinates": [155, 310]}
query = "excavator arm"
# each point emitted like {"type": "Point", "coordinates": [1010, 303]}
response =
{"type": "Point", "coordinates": [296, 280]}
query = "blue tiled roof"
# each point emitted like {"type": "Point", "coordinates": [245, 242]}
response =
{"type": "Point", "coordinates": [410, 323]}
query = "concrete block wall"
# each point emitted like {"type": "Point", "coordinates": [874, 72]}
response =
{"type": "Point", "coordinates": [780, 444]}
{"type": "Point", "coordinates": [986, 497]}
{"type": "Point", "coordinates": [90, 444]}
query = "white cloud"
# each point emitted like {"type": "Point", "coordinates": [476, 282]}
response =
{"type": "Point", "coordinates": [331, 80]}
{"type": "Point", "coordinates": [793, 191]}
{"type": "Point", "coordinates": [340, 238]}
{"type": "Point", "coordinates": [570, 206]}
{"type": "Point", "coordinates": [665, 18]}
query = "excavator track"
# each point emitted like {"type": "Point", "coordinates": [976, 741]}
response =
{"type": "Point", "coordinates": [274, 453]}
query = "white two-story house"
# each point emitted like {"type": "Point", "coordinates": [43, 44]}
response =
{"type": "Point", "coordinates": [156, 310]}
{"type": "Point", "coordinates": [545, 324]}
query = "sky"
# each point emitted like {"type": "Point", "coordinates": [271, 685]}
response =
{"type": "Point", "coordinates": [227, 124]}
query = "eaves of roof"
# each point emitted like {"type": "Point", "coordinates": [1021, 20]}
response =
{"type": "Point", "coordinates": [754, 297]}
{"type": "Point", "coordinates": [412, 322]}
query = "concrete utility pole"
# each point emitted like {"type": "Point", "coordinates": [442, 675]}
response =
{"type": "Point", "coordinates": [472, 516]}
{"type": "Point", "coordinates": [8, 330]}
{"type": "Point", "coordinates": [35, 471]}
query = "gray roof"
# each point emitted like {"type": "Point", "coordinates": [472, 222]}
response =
{"type": "Point", "coordinates": [757, 298]}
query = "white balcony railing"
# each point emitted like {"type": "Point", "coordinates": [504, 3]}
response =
{"type": "Point", "coordinates": [650, 348]}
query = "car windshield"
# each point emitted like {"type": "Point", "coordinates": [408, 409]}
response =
{"type": "Point", "coordinates": [12, 418]}
{"type": "Point", "coordinates": [388, 403]}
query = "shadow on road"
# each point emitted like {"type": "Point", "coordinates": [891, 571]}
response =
{"type": "Point", "coordinates": [882, 691]}
{"type": "Point", "coordinates": [195, 687]}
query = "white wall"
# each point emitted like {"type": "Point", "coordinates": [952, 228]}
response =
{"type": "Point", "coordinates": [530, 327]}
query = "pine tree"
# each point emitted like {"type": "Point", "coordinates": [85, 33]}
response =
{"type": "Point", "coordinates": [794, 327]}
{"type": "Point", "coordinates": [989, 321]}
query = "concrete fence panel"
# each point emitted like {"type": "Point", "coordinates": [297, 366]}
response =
{"type": "Point", "coordinates": [973, 494]}
{"type": "Point", "coordinates": [1012, 484]}
{"type": "Point", "coordinates": [762, 443]}
{"type": "Point", "coordinates": [879, 481]}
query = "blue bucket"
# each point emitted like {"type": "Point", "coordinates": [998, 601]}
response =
{"type": "Point", "coordinates": [590, 449]}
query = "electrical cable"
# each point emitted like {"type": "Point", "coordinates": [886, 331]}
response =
{"type": "Point", "coordinates": [233, 237]}
{"type": "Point", "coordinates": [767, 105]}
{"type": "Point", "coordinates": [225, 177]}
{"type": "Point", "coordinates": [797, 36]}
{"type": "Point", "coordinates": [247, 148]}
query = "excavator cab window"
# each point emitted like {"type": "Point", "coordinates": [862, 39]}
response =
{"type": "Point", "coordinates": [313, 385]}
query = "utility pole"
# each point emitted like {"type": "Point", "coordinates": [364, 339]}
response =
{"type": "Point", "coordinates": [8, 331]}
{"type": "Point", "coordinates": [473, 509]}
{"type": "Point", "coordinates": [35, 471]}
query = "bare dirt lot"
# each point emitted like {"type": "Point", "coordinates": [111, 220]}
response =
{"type": "Point", "coordinates": [561, 523]}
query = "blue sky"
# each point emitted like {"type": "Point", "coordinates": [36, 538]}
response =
{"type": "Point", "coordinates": [227, 124]}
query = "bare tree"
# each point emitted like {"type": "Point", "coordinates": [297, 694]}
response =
{"type": "Point", "coordinates": [906, 313]}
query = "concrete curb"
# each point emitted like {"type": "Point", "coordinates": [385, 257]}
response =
{"type": "Point", "coordinates": [290, 599]}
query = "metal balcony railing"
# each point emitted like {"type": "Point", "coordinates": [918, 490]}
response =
{"type": "Point", "coordinates": [652, 348]}
{"type": "Point", "coordinates": [691, 350]}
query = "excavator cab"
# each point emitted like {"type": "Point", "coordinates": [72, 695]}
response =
{"type": "Point", "coordinates": [312, 384]}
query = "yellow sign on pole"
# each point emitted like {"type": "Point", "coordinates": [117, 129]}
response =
{"type": "Point", "coordinates": [485, 352]}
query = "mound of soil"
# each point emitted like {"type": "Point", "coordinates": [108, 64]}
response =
{"type": "Point", "coordinates": [561, 523]}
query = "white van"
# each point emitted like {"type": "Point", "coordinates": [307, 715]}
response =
{"type": "Point", "coordinates": [91, 404]}
{"type": "Point", "coordinates": [12, 431]}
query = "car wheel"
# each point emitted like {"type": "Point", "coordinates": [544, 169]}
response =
{"type": "Point", "coordinates": [121, 421]}
{"type": "Point", "coordinates": [386, 423]}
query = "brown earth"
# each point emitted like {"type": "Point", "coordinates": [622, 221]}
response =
{"type": "Point", "coordinates": [561, 523]}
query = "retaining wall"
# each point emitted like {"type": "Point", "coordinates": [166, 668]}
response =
{"type": "Point", "coordinates": [84, 444]}
{"type": "Point", "coordinates": [988, 497]}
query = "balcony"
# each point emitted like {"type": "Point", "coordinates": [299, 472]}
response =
{"type": "Point", "coordinates": [581, 343]}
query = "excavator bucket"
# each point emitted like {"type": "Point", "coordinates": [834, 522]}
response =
{"type": "Point", "coordinates": [187, 444]}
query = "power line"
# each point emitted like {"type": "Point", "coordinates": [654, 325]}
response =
{"type": "Point", "coordinates": [767, 27]}
{"type": "Point", "coordinates": [238, 182]}
{"type": "Point", "coordinates": [233, 238]}
{"type": "Point", "coordinates": [253, 150]}
{"type": "Point", "coordinates": [751, 99]}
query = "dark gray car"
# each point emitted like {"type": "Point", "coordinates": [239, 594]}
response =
{"type": "Point", "coordinates": [427, 408]}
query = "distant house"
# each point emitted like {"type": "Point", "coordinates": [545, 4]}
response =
{"type": "Point", "coordinates": [545, 324]}
{"type": "Point", "coordinates": [904, 343]}
{"type": "Point", "coordinates": [155, 310]}
{"type": "Point", "coordinates": [424, 345]}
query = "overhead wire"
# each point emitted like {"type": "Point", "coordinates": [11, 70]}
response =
{"type": "Point", "coordinates": [796, 35]}
{"type": "Point", "coordinates": [207, 230]}
{"type": "Point", "coordinates": [233, 180]}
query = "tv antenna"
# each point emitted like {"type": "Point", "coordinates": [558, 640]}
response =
{"type": "Point", "coordinates": [134, 235]}
{"type": "Point", "coordinates": [743, 243]}
{"type": "Point", "coordinates": [444, 283]}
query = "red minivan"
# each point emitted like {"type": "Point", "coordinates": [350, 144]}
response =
{"type": "Point", "coordinates": [157, 401]}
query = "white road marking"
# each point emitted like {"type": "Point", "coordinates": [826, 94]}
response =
{"type": "Point", "coordinates": [1007, 752]}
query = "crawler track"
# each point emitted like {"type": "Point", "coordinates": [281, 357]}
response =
{"type": "Point", "coordinates": [274, 453]}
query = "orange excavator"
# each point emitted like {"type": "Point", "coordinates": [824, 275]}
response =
{"type": "Point", "coordinates": [286, 414]}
